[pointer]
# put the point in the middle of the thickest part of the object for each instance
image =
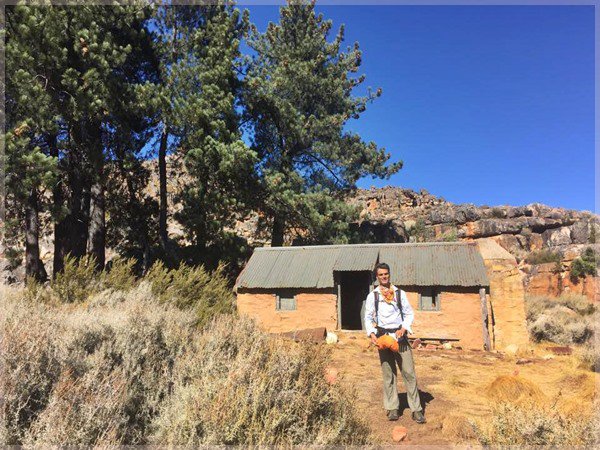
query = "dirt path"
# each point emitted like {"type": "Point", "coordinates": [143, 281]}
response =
{"type": "Point", "coordinates": [451, 383]}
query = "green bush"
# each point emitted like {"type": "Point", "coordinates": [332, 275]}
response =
{"type": "Point", "coordinates": [543, 256]}
{"type": "Point", "coordinates": [584, 265]}
{"type": "Point", "coordinates": [194, 288]}
{"type": "Point", "coordinates": [119, 275]}
{"type": "Point", "coordinates": [77, 281]}
{"type": "Point", "coordinates": [420, 231]}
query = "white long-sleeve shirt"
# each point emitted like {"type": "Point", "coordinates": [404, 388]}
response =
{"type": "Point", "coordinates": [388, 314]}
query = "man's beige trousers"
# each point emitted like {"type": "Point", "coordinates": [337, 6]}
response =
{"type": "Point", "coordinates": [404, 359]}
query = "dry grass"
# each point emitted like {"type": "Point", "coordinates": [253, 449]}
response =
{"type": "Point", "coordinates": [458, 428]}
{"type": "Point", "coordinates": [514, 389]}
{"type": "Point", "coordinates": [127, 368]}
{"type": "Point", "coordinates": [533, 424]}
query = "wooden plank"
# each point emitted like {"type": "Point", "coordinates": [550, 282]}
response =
{"type": "Point", "coordinates": [484, 320]}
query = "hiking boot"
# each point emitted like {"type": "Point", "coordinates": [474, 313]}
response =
{"type": "Point", "coordinates": [418, 417]}
{"type": "Point", "coordinates": [392, 414]}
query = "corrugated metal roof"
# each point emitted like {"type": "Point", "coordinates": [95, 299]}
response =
{"type": "Point", "coordinates": [356, 257]}
{"type": "Point", "coordinates": [435, 265]}
{"type": "Point", "coordinates": [426, 264]}
{"type": "Point", "coordinates": [289, 267]}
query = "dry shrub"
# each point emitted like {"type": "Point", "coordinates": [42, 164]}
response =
{"type": "Point", "coordinates": [64, 365]}
{"type": "Point", "coordinates": [590, 356]}
{"type": "Point", "coordinates": [457, 427]}
{"type": "Point", "coordinates": [577, 395]}
{"type": "Point", "coordinates": [243, 388]}
{"type": "Point", "coordinates": [529, 423]}
{"type": "Point", "coordinates": [513, 389]}
{"type": "Point", "coordinates": [569, 319]}
{"type": "Point", "coordinates": [83, 410]}
{"type": "Point", "coordinates": [30, 361]}
{"type": "Point", "coordinates": [126, 368]}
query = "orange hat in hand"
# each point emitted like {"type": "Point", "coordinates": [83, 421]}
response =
{"type": "Point", "coordinates": [387, 341]}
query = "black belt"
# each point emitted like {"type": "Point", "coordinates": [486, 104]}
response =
{"type": "Point", "coordinates": [381, 331]}
{"type": "Point", "coordinates": [387, 330]}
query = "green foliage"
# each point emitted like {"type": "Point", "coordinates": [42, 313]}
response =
{"type": "Point", "coordinates": [192, 288]}
{"type": "Point", "coordinates": [119, 275]}
{"type": "Point", "coordinates": [77, 281]}
{"type": "Point", "coordinates": [585, 265]}
{"type": "Point", "coordinates": [299, 97]}
{"type": "Point", "coordinates": [450, 236]}
{"type": "Point", "coordinates": [543, 256]}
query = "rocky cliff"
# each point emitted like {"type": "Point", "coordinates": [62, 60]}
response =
{"type": "Point", "coordinates": [544, 240]}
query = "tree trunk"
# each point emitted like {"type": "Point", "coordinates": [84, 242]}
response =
{"type": "Point", "coordinates": [34, 267]}
{"type": "Point", "coordinates": [97, 229]}
{"type": "Point", "coordinates": [96, 235]}
{"type": "Point", "coordinates": [277, 232]}
{"type": "Point", "coordinates": [162, 176]}
{"type": "Point", "coordinates": [59, 227]}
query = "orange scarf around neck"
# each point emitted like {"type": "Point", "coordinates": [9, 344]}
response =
{"type": "Point", "coordinates": [387, 293]}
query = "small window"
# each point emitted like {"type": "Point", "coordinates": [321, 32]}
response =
{"type": "Point", "coordinates": [429, 300]}
{"type": "Point", "coordinates": [286, 301]}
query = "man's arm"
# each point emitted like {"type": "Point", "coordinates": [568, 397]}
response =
{"type": "Point", "coordinates": [370, 314]}
{"type": "Point", "coordinates": [407, 312]}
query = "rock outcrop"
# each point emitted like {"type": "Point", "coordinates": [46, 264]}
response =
{"type": "Point", "coordinates": [544, 240]}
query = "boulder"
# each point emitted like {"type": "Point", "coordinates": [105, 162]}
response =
{"type": "Point", "coordinates": [560, 236]}
{"type": "Point", "coordinates": [580, 232]}
{"type": "Point", "coordinates": [399, 433]}
{"type": "Point", "coordinates": [331, 338]}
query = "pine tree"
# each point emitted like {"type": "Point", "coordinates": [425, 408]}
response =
{"type": "Point", "coordinates": [218, 163]}
{"type": "Point", "coordinates": [299, 96]}
{"type": "Point", "coordinates": [30, 114]}
{"type": "Point", "coordinates": [198, 48]}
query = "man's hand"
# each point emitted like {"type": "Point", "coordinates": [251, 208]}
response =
{"type": "Point", "coordinates": [373, 338]}
{"type": "Point", "coordinates": [401, 332]}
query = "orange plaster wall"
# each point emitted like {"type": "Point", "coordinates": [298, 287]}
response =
{"type": "Point", "coordinates": [459, 317]}
{"type": "Point", "coordinates": [313, 310]}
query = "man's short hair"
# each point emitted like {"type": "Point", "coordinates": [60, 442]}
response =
{"type": "Point", "coordinates": [381, 266]}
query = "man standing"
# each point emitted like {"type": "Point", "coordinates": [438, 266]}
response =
{"type": "Point", "coordinates": [387, 311]}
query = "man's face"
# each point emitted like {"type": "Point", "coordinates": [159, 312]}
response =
{"type": "Point", "coordinates": [383, 276]}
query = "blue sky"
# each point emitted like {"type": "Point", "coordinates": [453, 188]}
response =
{"type": "Point", "coordinates": [488, 105]}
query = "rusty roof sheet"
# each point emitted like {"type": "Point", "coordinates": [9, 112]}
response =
{"type": "Point", "coordinates": [426, 264]}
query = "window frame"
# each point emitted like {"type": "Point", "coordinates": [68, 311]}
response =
{"type": "Point", "coordinates": [288, 295]}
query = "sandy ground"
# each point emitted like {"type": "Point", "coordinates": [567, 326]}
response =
{"type": "Point", "coordinates": [455, 382]}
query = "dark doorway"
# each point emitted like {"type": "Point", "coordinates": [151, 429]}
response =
{"type": "Point", "coordinates": [354, 288]}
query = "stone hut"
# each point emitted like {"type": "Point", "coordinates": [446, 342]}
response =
{"type": "Point", "coordinates": [291, 288]}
